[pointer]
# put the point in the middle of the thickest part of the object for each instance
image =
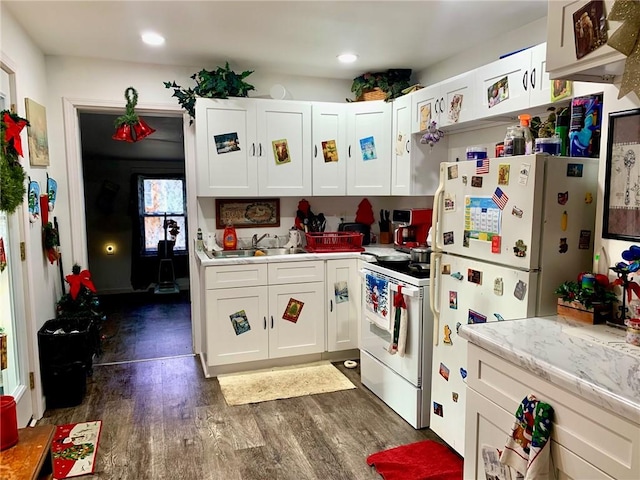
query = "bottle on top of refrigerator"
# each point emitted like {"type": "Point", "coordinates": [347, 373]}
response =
{"type": "Point", "coordinates": [507, 150]}
{"type": "Point", "coordinates": [525, 121]}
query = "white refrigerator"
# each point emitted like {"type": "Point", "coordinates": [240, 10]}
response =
{"type": "Point", "coordinates": [506, 233]}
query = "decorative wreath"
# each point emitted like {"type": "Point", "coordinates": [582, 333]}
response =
{"type": "Point", "coordinates": [12, 175]}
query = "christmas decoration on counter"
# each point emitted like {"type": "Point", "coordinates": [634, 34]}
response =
{"type": "Point", "coordinates": [627, 41]}
{"type": "Point", "coordinates": [364, 214]}
{"type": "Point", "coordinates": [623, 270]}
{"type": "Point", "coordinates": [433, 135]}
{"type": "Point", "coordinates": [130, 127]}
{"type": "Point", "coordinates": [12, 175]}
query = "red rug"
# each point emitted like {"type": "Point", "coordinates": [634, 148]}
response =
{"type": "Point", "coordinates": [74, 449]}
{"type": "Point", "coordinates": [426, 460]}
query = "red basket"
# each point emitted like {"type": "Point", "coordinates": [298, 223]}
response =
{"type": "Point", "coordinates": [324, 242]}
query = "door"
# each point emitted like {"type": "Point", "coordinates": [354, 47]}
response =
{"type": "Point", "coordinates": [343, 299]}
{"type": "Point", "coordinates": [296, 319]}
{"type": "Point", "coordinates": [401, 166]}
{"type": "Point", "coordinates": [226, 147]}
{"type": "Point", "coordinates": [236, 325]}
{"type": "Point", "coordinates": [499, 199]}
{"type": "Point", "coordinates": [458, 99]}
{"type": "Point", "coordinates": [329, 132]}
{"type": "Point", "coordinates": [540, 93]}
{"type": "Point", "coordinates": [468, 291]}
{"type": "Point", "coordinates": [369, 148]}
{"type": "Point", "coordinates": [424, 108]}
{"type": "Point", "coordinates": [284, 148]}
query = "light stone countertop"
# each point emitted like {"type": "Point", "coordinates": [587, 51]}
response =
{"type": "Point", "coordinates": [592, 361]}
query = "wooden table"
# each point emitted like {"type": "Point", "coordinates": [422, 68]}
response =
{"type": "Point", "coordinates": [30, 458]}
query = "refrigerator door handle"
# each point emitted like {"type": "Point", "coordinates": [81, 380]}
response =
{"type": "Point", "coordinates": [434, 293]}
{"type": "Point", "coordinates": [437, 201]}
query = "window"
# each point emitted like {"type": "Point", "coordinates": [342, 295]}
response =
{"type": "Point", "coordinates": [161, 199]}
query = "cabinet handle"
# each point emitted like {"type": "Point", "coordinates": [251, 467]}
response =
{"type": "Point", "coordinates": [441, 105]}
{"type": "Point", "coordinates": [533, 79]}
{"type": "Point", "coordinates": [271, 321]}
{"type": "Point", "coordinates": [525, 78]}
{"type": "Point", "coordinates": [407, 146]}
{"type": "Point", "coordinates": [437, 106]}
{"type": "Point", "coordinates": [265, 322]}
{"type": "Point", "coordinates": [315, 151]}
{"type": "Point", "coordinates": [349, 151]}
{"type": "Point", "coordinates": [259, 149]}
{"type": "Point", "coordinates": [253, 149]}
{"type": "Point", "coordinates": [331, 305]}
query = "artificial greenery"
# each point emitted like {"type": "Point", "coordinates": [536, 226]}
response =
{"type": "Point", "coordinates": [601, 293]}
{"type": "Point", "coordinates": [218, 83]}
{"type": "Point", "coordinates": [547, 128]}
{"type": "Point", "coordinates": [391, 82]}
{"type": "Point", "coordinates": [12, 175]}
{"type": "Point", "coordinates": [130, 117]}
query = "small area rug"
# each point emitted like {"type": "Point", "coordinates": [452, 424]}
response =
{"type": "Point", "coordinates": [426, 460]}
{"type": "Point", "coordinates": [74, 449]}
{"type": "Point", "coordinates": [283, 382]}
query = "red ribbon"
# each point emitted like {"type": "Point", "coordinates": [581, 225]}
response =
{"type": "Point", "coordinates": [632, 287]}
{"type": "Point", "coordinates": [77, 281]}
{"type": "Point", "coordinates": [12, 132]}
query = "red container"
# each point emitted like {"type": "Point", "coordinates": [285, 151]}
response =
{"type": "Point", "coordinates": [328, 242]}
{"type": "Point", "coordinates": [8, 422]}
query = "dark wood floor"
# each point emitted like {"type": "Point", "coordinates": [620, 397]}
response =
{"type": "Point", "coordinates": [163, 420]}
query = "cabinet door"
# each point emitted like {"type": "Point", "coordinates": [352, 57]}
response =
{"type": "Point", "coordinates": [343, 299]}
{"type": "Point", "coordinates": [329, 133]}
{"type": "Point", "coordinates": [225, 345]}
{"type": "Point", "coordinates": [504, 85]}
{"type": "Point", "coordinates": [284, 148]}
{"type": "Point", "coordinates": [226, 163]}
{"type": "Point", "coordinates": [296, 319]}
{"type": "Point", "coordinates": [401, 164]}
{"type": "Point", "coordinates": [457, 99]}
{"type": "Point", "coordinates": [424, 108]}
{"type": "Point", "coordinates": [540, 83]}
{"type": "Point", "coordinates": [369, 148]}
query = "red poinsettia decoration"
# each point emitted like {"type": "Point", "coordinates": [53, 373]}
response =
{"type": "Point", "coordinates": [13, 127]}
{"type": "Point", "coordinates": [79, 279]}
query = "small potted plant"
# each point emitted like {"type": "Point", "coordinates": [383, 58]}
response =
{"type": "Point", "coordinates": [589, 299]}
{"type": "Point", "coordinates": [381, 85]}
{"type": "Point", "coordinates": [218, 83]}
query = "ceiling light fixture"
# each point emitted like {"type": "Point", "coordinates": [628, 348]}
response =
{"type": "Point", "coordinates": [151, 38]}
{"type": "Point", "coordinates": [347, 57]}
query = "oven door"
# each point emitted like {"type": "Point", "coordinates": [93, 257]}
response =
{"type": "Point", "coordinates": [375, 338]}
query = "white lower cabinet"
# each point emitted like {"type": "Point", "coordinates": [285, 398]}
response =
{"type": "Point", "coordinates": [343, 303]}
{"type": "Point", "coordinates": [284, 317]}
{"type": "Point", "coordinates": [587, 441]}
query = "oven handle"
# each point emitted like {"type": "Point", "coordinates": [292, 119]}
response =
{"type": "Point", "coordinates": [434, 294]}
{"type": "Point", "coordinates": [406, 290]}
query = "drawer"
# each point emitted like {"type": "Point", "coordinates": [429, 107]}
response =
{"type": "Point", "coordinates": [609, 442]}
{"type": "Point", "coordinates": [229, 276]}
{"type": "Point", "coordinates": [296, 272]}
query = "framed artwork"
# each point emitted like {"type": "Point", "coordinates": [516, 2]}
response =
{"type": "Point", "coordinates": [37, 134]}
{"type": "Point", "coordinates": [245, 213]}
{"type": "Point", "coordinates": [622, 182]}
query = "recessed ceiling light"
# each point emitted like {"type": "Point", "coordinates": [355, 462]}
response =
{"type": "Point", "coordinates": [151, 38]}
{"type": "Point", "coordinates": [347, 57]}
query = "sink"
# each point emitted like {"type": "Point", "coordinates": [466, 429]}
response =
{"type": "Point", "coordinates": [281, 251]}
{"type": "Point", "coordinates": [231, 253]}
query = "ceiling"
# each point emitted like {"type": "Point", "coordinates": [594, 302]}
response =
{"type": "Point", "coordinates": [287, 37]}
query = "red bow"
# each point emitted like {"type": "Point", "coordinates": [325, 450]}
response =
{"type": "Point", "coordinates": [12, 132]}
{"type": "Point", "coordinates": [76, 281]}
{"type": "Point", "coordinates": [632, 287]}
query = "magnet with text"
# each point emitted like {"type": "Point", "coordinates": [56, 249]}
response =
{"type": "Point", "coordinates": [588, 198]}
{"type": "Point", "coordinates": [437, 409]}
{"type": "Point", "coordinates": [574, 170]}
{"type": "Point", "coordinates": [475, 317]}
{"type": "Point", "coordinates": [499, 317]}
{"type": "Point", "coordinates": [452, 172]}
{"type": "Point", "coordinates": [476, 181]}
{"type": "Point", "coordinates": [523, 176]}
{"type": "Point", "coordinates": [444, 371]}
{"type": "Point", "coordinates": [453, 300]}
{"type": "Point", "coordinates": [496, 242]}
{"type": "Point", "coordinates": [564, 221]}
{"type": "Point", "coordinates": [457, 275]}
{"type": "Point", "coordinates": [498, 286]}
{"type": "Point", "coordinates": [520, 291]}
{"type": "Point", "coordinates": [474, 276]}
{"type": "Point", "coordinates": [446, 269]}
{"type": "Point", "coordinates": [516, 212]}
{"type": "Point", "coordinates": [563, 198]}
{"type": "Point", "coordinates": [563, 247]}
{"type": "Point", "coordinates": [520, 249]}
{"type": "Point", "coordinates": [585, 240]}
{"type": "Point", "coordinates": [454, 397]}
{"type": "Point", "coordinates": [447, 238]}
{"type": "Point", "coordinates": [503, 173]}
{"type": "Point", "coordinates": [447, 335]}
{"type": "Point", "coordinates": [449, 202]}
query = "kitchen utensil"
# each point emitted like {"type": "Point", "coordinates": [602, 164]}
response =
{"type": "Point", "coordinates": [420, 255]}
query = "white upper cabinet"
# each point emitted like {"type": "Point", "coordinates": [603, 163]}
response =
{"type": "Point", "coordinates": [248, 147]}
{"type": "Point", "coordinates": [425, 108]}
{"type": "Point", "coordinates": [226, 144]}
{"type": "Point", "coordinates": [369, 148]}
{"type": "Point", "coordinates": [284, 148]}
{"type": "Point", "coordinates": [600, 65]}
{"type": "Point", "coordinates": [329, 136]}
{"type": "Point", "coordinates": [539, 81]}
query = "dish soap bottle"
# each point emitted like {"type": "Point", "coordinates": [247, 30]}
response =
{"type": "Point", "coordinates": [525, 120]}
{"type": "Point", "coordinates": [230, 239]}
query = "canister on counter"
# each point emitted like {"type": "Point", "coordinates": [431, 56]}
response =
{"type": "Point", "coordinates": [552, 145]}
{"type": "Point", "coordinates": [633, 331]}
{"type": "Point", "coordinates": [588, 281]}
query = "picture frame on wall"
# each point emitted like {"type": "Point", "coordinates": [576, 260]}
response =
{"type": "Point", "coordinates": [247, 213]}
{"type": "Point", "coordinates": [37, 134]}
{"type": "Point", "coordinates": [622, 181]}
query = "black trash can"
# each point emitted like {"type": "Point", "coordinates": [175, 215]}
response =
{"type": "Point", "coordinates": [66, 347]}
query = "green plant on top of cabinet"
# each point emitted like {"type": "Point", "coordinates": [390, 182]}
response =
{"type": "Point", "coordinates": [329, 134]}
{"type": "Point", "coordinates": [248, 147]}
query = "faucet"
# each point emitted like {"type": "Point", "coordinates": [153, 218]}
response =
{"type": "Point", "coordinates": [255, 240]}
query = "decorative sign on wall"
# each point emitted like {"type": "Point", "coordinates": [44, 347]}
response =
{"type": "Point", "coordinates": [241, 213]}
{"type": "Point", "coordinates": [37, 134]}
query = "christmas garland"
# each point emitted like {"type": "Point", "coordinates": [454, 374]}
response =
{"type": "Point", "coordinates": [12, 175]}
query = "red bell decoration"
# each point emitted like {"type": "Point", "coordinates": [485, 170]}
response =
{"type": "Point", "coordinates": [141, 129]}
{"type": "Point", "coordinates": [130, 127]}
{"type": "Point", "coordinates": [123, 133]}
